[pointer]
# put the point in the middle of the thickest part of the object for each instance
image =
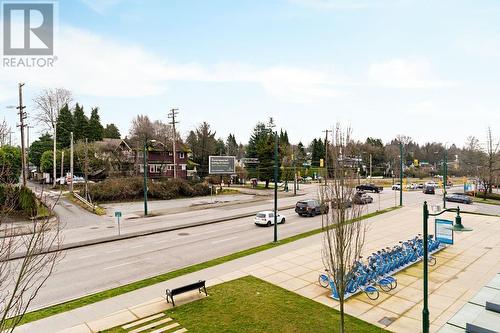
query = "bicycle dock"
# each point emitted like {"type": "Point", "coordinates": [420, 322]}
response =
{"type": "Point", "coordinates": [377, 271]}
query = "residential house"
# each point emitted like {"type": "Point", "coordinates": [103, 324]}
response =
{"type": "Point", "coordinates": [160, 161]}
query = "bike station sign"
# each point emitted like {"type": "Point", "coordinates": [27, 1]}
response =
{"type": "Point", "coordinates": [442, 231]}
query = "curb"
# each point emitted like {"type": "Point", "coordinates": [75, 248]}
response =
{"type": "Point", "coordinates": [136, 234]}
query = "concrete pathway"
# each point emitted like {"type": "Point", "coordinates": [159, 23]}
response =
{"type": "Point", "coordinates": [461, 271]}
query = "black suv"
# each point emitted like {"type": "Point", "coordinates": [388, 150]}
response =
{"type": "Point", "coordinates": [310, 207]}
{"type": "Point", "coordinates": [429, 190]}
{"type": "Point", "coordinates": [369, 187]}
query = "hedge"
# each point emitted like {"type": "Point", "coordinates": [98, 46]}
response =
{"type": "Point", "coordinates": [122, 189]}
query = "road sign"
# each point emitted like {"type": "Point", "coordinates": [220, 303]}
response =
{"type": "Point", "coordinates": [118, 214]}
{"type": "Point", "coordinates": [221, 165]}
{"type": "Point", "coordinates": [443, 233]}
{"type": "Point", "coordinates": [250, 160]}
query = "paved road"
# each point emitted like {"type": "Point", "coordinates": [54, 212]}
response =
{"type": "Point", "coordinates": [99, 267]}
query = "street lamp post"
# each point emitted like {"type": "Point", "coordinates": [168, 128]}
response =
{"type": "Point", "coordinates": [275, 186]}
{"type": "Point", "coordinates": [145, 166]}
{"type": "Point", "coordinates": [456, 227]}
{"type": "Point", "coordinates": [401, 174]}
{"type": "Point", "coordinates": [445, 176]}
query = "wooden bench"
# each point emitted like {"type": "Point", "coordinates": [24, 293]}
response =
{"type": "Point", "coordinates": [170, 293]}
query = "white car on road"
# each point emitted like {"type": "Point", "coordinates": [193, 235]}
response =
{"type": "Point", "coordinates": [267, 218]}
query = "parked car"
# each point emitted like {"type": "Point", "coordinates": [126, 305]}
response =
{"type": "Point", "coordinates": [420, 186]}
{"type": "Point", "coordinates": [311, 207]}
{"type": "Point", "coordinates": [429, 190]}
{"type": "Point", "coordinates": [267, 218]}
{"type": "Point", "coordinates": [411, 186]}
{"type": "Point", "coordinates": [461, 198]}
{"type": "Point", "coordinates": [369, 187]}
{"type": "Point", "coordinates": [432, 183]}
{"type": "Point", "coordinates": [396, 186]}
{"type": "Point", "coordinates": [337, 204]}
{"type": "Point", "coordinates": [361, 198]}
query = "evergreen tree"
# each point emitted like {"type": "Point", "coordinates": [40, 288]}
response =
{"type": "Point", "coordinates": [111, 132]}
{"type": "Point", "coordinates": [317, 152]}
{"type": "Point", "coordinates": [95, 129]}
{"type": "Point", "coordinates": [80, 123]}
{"type": "Point", "coordinates": [220, 147]}
{"type": "Point", "coordinates": [64, 127]}
{"type": "Point", "coordinates": [203, 144]}
{"type": "Point", "coordinates": [300, 154]}
{"type": "Point", "coordinates": [38, 147]}
{"type": "Point", "coordinates": [232, 146]}
{"type": "Point", "coordinates": [261, 146]}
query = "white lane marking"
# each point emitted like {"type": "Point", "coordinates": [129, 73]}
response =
{"type": "Point", "coordinates": [224, 240]}
{"type": "Point", "coordinates": [113, 251]}
{"type": "Point", "coordinates": [123, 264]}
{"type": "Point", "coordinates": [137, 246]}
{"type": "Point", "coordinates": [87, 256]}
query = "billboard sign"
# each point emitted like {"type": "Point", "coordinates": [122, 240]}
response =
{"type": "Point", "coordinates": [250, 160]}
{"type": "Point", "coordinates": [221, 165]}
{"type": "Point", "coordinates": [443, 234]}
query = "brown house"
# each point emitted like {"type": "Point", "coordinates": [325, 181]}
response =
{"type": "Point", "coordinates": [160, 161]}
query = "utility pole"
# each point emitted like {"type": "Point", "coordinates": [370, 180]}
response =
{"type": "Point", "coordinates": [86, 164]}
{"type": "Point", "coordinates": [22, 116]}
{"type": "Point", "coordinates": [370, 166]}
{"type": "Point", "coordinates": [173, 113]}
{"type": "Point", "coordinates": [294, 174]}
{"type": "Point", "coordinates": [54, 152]}
{"type": "Point", "coordinates": [62, 164]}
{"type": "Point", "coordinates": [326, 154]}
{"type": "Point", "coordinates": [10, 136]}
{"type": "Point", "coordinates": [71, 163]}
{"type": "Point", "coordinates": [401, 174]}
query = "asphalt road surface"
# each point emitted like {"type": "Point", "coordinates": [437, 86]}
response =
{"type": "Point", "coordinates": [100, 267]}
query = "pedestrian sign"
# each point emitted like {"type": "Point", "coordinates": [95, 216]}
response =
{"type": "Point", "coordinates": [443, 233]}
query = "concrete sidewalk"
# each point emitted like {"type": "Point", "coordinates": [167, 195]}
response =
{"type": "Point", "coordinates": [461, 271]}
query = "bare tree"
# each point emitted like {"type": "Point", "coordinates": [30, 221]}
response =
{"type": "Point", "coordinates": [21, 279]}
{"type": "Point", "coordinates": [343, 232]}
{"type": "Point", "coordinates": [491, 164]}
{"type": "Point", "coordinates": [48, 104]}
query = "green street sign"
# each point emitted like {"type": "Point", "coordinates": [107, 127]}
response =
{"type": "Point", "coordinates": [118, 214]}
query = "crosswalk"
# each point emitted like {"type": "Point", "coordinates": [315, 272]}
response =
{"type": "Point", "coordinates": [158, 323]}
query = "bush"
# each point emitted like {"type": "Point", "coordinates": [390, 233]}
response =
{"type": "Point", "coordinates": [20, 199]}
{"type": "Point", "coordinates": [122, 189]}
{"type": "Point", "coordinates": [493, 196]}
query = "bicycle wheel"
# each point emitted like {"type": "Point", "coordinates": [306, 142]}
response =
{"type": "Point", "coordinates": [372, 294]}
{"type": "Point", "coordinates": [394, 284]}
{"type": "Point", "coordinates": [323, 280]}
{"type": "Point", "coordinates": [386, 287]}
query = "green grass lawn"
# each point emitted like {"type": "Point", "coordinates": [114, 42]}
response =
{"type": "Point", "coordinates": [251, 305]}
{"type": "Point", "coordinates": [487, 201]}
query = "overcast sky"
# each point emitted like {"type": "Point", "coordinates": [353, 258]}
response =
{"type": "Point", "coordinates": [426, 69]}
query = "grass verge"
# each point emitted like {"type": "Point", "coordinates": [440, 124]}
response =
{"type": "Point", "coordinates": [86, 300]}
{"type": "Point", "coordinates": [250, 305]}
{"type": "Point", "coordinates": [486, 201]}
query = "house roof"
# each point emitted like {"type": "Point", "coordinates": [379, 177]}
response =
{"type": "Point", "coordinates": [113, 142]}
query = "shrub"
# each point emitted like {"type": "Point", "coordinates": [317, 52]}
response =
{"type": "Point", "coordinates": [122, 189]}
{"type": "Point", "coordinates": [27, 201]}
{"type": "Point", "coordinates": [20, 199]}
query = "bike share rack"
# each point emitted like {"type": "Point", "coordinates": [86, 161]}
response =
{"type": "Point", "coordinates": [334, 294]}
